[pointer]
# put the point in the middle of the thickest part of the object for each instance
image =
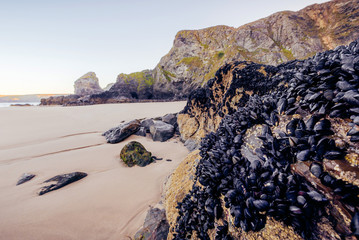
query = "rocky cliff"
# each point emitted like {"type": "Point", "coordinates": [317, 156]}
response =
{"type": "Point", "coordinates": [197, 54]}
{"type": "Point", "coordinates": [278, 156]}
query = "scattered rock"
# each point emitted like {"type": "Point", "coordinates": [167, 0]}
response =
{"type": "Point", "coordinates": [60, 181]}
{"type": "Point", "coordinates": [155, 227]}
{"type": "Point", "coordinates": [118, 134]}
{"type": "Point", "coordinates": [25, 178]}
{"type": "Point", "coordinates": [170, 119]}
{"type": "Point", "coordinates": [134, 153]}
{"type": "Point", "coordinates": [147, 123]}
{"type": "Point", "coordinates": [161, 131]}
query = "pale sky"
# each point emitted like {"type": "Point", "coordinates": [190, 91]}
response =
{"type": "Point", "coordinates": [45, 45]}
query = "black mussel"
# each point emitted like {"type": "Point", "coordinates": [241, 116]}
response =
{"type": "Point", "coordinates": [329, 95]}
{"type": "Point", "coordinates": [291, 111]}
{"type": "Point", "coordinates": [316, 169]}
{"type": "Point", "coordinates": [337, 113]}
{"type": "Point", "coordinates": [356, 120]}
{"type": "Point", "coordinates": [295, 210]}
{"type": "Point", "coordinates": [293, 141]}
{"type": "Point", "coordinates": [344, 86]}
{"type": "Point", "coordinates": [327, 180]}
{"type": "Point", "coordinates": [354, 138]}
{"type": "Point", "coordinates": [354, 111]}
{"type": "Point", "coordinates": [353, 131]}
{"type": "Point", "coordinates": [282, 105]}
{"type": "Point", "coordinates": [322, 125]}
{"type": "Point", "coordinates": [334, 155]}
{"type": "Point", "coordinates": [248, 214]}
{"type": "Point", "coordinates": [311, 122]}
{"type": "Point", "coordinates": [299, 133]}
{"type": "Point", "coordinates": [303, 155]}
{"type": "Point", "coordinates": [269, 187]}
{"type": "Point", "coordinates": [316, 196]}
{"type": "Point", "coordinates": [261, 205]}
{"type": "Point", "coordinates": [301, 200]}
{"type": "Point", "coordinates": [292, 126]}
{"type": "Point", "coordinates": [266, 130]}
{"type": "Point", "coordinates": [354, 224]}
{"type": "Point", "coordinates": [322, 109]}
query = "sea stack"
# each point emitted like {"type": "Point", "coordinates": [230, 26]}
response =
{"type": "Point", "coordinates": [87, 84]}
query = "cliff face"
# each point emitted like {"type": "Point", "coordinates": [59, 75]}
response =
{"type": "Point", "coordinates": [197, 54]}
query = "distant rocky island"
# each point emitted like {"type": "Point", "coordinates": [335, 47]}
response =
{"type": "Point", "coordinates": [197, 54]}
{"type": "Point", "coordinates": [25, 98]}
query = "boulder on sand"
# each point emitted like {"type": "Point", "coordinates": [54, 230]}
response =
{"type": "Point", "coordinates": [134, 153]}
{"type": "Point", "coordinates": [170, 119]}
{"type": "Point", "coordinates": [60, 181]}
{"type": "Point", "coordinates": [117, 134]}
{"type": "Point", "coordinates": [161, 131]}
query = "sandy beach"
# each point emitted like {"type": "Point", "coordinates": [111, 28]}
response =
{"type": "Point", "coordinates": [110, 203]}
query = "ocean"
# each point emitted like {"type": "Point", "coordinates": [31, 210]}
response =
{"type": "Point", "coordinates": [7, 104]}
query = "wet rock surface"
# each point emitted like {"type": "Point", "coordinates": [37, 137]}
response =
{"type": "Point", "coordinates": [134, 153]}
{"type": "Point", "coordinates": [118, 134]}
{"type": "Point", "coordinates": [60, 181]}
{"type": "Point", "coordinates": [248, 180]}
{"type": "Point", "coordinates": [155, 226]}
{"type": "Point", "coordinates": [25, 178]}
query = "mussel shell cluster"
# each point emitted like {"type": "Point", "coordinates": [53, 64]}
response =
{"type": "Point", "coordinates": [322, 87]}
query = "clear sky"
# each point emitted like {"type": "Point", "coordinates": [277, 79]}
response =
{"type": "Point", "coordinates": [45, 45]}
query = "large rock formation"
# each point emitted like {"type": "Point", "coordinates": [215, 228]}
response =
{"type": "Point", "coordinates": [87, 84]}
{"type": "Point", "coordinates": [197, 54]}
{"type": "Point", "coordinates": [279, 152]}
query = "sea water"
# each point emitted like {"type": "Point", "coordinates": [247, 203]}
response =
{"type": "Point", "coordinates": [8, 104]}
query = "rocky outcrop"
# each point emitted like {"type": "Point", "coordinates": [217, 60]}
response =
{"type": "Point", "coordinates": [134, 153]}
{"type": "Point", "coordinates": [118, 134]}
{"type": "Point", "coordinates": [60, 181]}
{"type": "Point", "coordinates": [278, 152]}
{"type": "Point", "coordinates": [87, 84]}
